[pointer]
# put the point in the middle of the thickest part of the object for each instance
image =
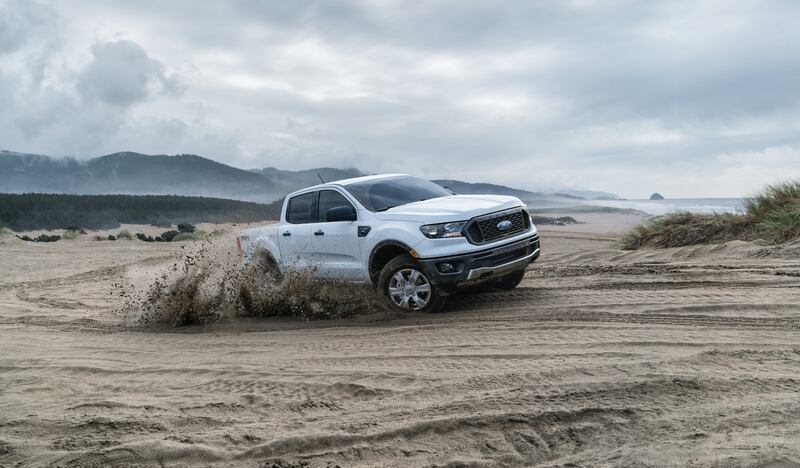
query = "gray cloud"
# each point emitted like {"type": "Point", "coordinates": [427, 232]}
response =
{"type": "Point", "coordinates": [88, 107]}
{"type": "Point", "coordinates": [625, 96]}
{"type": "Point", "coordinates": [22, 21]}
{"type": "Point", "coordinates": [122, 74]}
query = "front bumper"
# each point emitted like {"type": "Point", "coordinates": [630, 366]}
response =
{"type": "Point", "coordinates": [483, 265]}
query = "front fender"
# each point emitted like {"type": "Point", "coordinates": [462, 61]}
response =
{"type": "Point", "coordinates": [401, 234]}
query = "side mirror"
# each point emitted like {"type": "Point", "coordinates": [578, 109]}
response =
{"type": "Point", "coordinates": [340, 213]}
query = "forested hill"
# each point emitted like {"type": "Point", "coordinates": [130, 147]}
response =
{"type": "Point", "coordinates": [139, 174]}
{"type": "Point", "coordinates": [21, 212]}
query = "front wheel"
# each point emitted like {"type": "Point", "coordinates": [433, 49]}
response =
{"type": "Point", "coordinates": [407, 286]}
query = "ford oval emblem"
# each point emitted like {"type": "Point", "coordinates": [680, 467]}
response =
{"type": "Point", "coordinates": [504, 225]}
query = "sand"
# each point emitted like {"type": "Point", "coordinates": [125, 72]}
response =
{"type": "Point", "coordinates": [675, 357]}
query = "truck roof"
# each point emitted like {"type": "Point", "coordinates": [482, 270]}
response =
{"type": "Point", "coordinates": [356, 180]}
{"type": "Point", "coordinates": [345, 182]}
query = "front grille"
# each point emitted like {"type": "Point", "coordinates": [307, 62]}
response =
{"type": "Point", "coordinates": [484, 229]}
{"type": "Point", "coordinates": [474, 233]}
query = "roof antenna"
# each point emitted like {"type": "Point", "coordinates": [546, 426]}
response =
{"type": "Point", "coordinates": [320, 178]}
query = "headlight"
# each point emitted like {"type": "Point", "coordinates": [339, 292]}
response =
{"type": "Point", "coordinates": [438, 231]}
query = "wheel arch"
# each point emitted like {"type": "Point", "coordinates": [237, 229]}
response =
{"type": "Point", "coordinates": [261, 253]}
{"type": "Point", "coordinates": [264, 247]}
{"type": "Point", "coordinates": [383, 253]}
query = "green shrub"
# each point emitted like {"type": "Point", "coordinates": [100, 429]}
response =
{"type": "Point", "coordinates": [111, 237]}
{"type": "Point", "coordinates": [25, 237]}
{"type": "Point", "coordinates": [144, 238]}
{"type": "Point", "coordinates": [772, 215]}
{"type": "Point", "coordinates": [169, 235]}
{"type": "Point", "coordinates": [189, 236]}
{"type": "Point", "coordinates": [186, 227]}
{"type": "Point", "coordinates": [46, 238]}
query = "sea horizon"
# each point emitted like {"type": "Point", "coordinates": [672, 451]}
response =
{"type": "Point", "coordinates": [671, 205]}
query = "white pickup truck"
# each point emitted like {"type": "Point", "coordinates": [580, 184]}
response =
{"type": "Point", "coordinates": [414, 239]}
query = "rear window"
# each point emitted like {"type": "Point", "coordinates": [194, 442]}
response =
{"type": "Point", "coordinates": [300, 209]}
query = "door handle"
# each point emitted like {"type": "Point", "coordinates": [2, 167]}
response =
{"type": "Point", "coordinates": [287, 234]}
{"type": "Point", "coordinates": [319, 233]}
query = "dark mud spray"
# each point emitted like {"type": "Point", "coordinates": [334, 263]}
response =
{"type": "Point", "coordinates": [207, 282]}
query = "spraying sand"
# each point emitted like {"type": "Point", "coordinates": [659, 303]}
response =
{"type": "Point", "coordinates": [601, 357]}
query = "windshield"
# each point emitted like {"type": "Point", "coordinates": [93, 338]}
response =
{"type": "Point", "coordinates": [382, 194]}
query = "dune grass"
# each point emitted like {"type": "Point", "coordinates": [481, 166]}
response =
{"type": "Point", "coordinates": [772, 215]}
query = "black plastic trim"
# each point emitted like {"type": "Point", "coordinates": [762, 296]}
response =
{"type": "Point", "coordinates": [535, 236]}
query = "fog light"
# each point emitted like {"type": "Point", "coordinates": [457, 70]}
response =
{"type": "Point", "coordinates": [447, 267]}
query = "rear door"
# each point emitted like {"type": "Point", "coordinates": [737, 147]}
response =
{"type": "Point", "coordinates": [295, 233]}
{"type": "Point", "coordinates": [337, 246]}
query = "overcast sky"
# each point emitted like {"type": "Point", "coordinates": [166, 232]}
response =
{"type": "Point", "coordinates": [687, 98]}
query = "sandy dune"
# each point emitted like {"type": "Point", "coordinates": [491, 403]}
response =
{"type": "Point", "coordinates": [678, 357]}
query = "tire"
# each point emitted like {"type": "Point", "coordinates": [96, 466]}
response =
{"type": "Point", "coordinates": [268, 267]}
{"type": "Point", "coordinates": [509, 281]}
{"type": "Point", "coordinates": [407, 287]}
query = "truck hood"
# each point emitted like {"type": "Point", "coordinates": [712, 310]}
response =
{"type": "Point", "coordinates": [451, 208]}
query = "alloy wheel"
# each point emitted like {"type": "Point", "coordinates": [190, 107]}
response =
{"type": "Point", "coordinates": [410, 289]}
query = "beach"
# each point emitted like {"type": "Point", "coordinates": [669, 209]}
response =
{"type": "Point", "coordinates": [602, 357]}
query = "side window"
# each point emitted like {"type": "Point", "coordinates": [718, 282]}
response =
{"type": "Point", "coordinates": [331, 199]}
{"type": "Point", "coordinates": [300, 209]}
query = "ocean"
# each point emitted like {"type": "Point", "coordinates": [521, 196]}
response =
{"type": "Point", "coordinates": [693, 205]}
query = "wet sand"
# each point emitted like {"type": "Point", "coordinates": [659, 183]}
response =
{"type": "Point", "coordinates": [676, 357]}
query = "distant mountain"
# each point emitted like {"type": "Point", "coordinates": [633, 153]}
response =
{"type": "Point", "coordinates": [468, 188]}
{"type": "Point", "coordinates": [579, 193]}
{"type": "Point", "coordinates": [131, 173]}
{"type": "Point", "coordinates": [137, 174]}
{"type": "Point", "coordinates": [288, 181]}
{"type": "Point", "coordinates": [563, 195]}
{"type": "Point", "coordinates": [187, 174]}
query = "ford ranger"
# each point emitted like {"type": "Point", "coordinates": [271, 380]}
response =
{"type": "Point", "coordinates": [415, 240]}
